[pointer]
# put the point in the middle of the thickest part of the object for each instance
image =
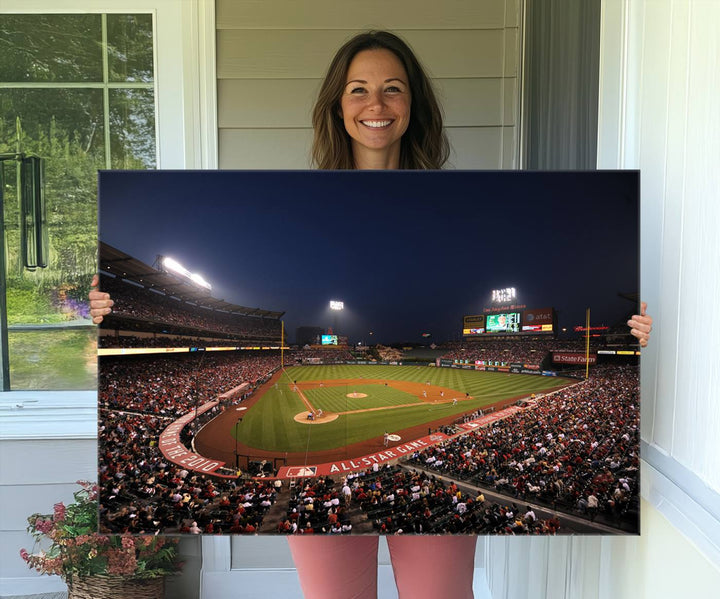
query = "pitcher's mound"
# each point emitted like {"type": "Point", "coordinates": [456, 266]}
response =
{"type": "Point", "coordinates": [356, 395]}
{"type": "Point", "coordinates": [302, 418]}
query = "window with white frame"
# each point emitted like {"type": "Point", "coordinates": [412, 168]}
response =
{"type": "Point", "coordinates": [78, 91]}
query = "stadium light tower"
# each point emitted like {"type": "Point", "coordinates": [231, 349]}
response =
{"type": "Point", "coordinates": [504, 296]}
{"type": "Point", "coordinates": [337, 307]}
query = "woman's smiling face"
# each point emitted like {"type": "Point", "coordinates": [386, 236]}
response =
{"type": "Point", "coordinates": [375, 104]}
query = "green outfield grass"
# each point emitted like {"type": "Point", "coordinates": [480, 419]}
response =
{"type": "Point", "coordinates": [269, 424]}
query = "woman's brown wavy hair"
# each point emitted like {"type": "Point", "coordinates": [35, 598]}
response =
{"type": "Point", "coordinates": [424, 144]}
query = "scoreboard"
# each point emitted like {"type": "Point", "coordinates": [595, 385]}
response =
{"type": "Point", "coordinates": [511, 322]}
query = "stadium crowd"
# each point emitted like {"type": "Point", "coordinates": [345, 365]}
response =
{"type": "Point", "coordinates": [142, 493]}
{"type": "Point", "coordinates": [173, 385]}
{"type": "Point", "coordinates": [143, 341]}
{"type": "Point", "coordinates": [508, 350]}
{"type": "Point", "coordinates": [577, 449]}
{"type": "Point", "coordinates": [139, 303]}
{"type": "Point", "coordinates": [395, 500]}
{"type": "Point", "coordinates": [317, 506]}
{"type": "Point", "coordinates": [138, 399]}
{"type": "Point", "coordinates": [402, 501]}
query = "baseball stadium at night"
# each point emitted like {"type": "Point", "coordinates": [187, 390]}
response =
{"type": "Point", "coordinates": [432, 353]}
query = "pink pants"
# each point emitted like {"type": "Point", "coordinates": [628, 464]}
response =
{"type": "Point", "coordinates": [425, 567]}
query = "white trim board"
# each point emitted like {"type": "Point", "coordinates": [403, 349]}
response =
{"type": "Point", "coordinates": [688, 504]}
{"type": "Point", "coordinates": [48, 415]}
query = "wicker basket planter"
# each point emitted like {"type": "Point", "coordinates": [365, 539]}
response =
{"type": "Point", "coordinates": [116, 587]}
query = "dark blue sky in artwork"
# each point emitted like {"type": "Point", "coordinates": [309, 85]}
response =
{"type": "Point", "coordinates": [408, 252]}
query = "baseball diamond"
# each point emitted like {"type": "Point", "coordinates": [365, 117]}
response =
{"type": "Point", "coordinates": [406, 401]}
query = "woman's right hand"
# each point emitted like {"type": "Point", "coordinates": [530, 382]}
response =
{"type": "Point", "coordinates": [641, 325]}
{"type": "Point", "coordinates": [100, 302]}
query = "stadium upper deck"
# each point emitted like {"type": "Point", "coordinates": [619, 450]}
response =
{"type": "Point", "coordinates": [149, 300]}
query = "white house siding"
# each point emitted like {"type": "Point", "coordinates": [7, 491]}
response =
{"type": "Point", "coordinates": [45, 447]}
{"type": "Point", "coordinates": [271, 57]}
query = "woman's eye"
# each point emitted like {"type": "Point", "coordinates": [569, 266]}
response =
{"type": "Point", "coordinates": [357, 90]}
{"type": "Point", "coordinates": [393, 89]}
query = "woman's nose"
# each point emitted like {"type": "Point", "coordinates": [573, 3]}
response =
{"type": "Point", "coordinates": [376, 99]}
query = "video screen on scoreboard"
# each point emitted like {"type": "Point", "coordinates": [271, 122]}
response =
{"type": "Point", "coordinates": [508, 322]}
{"type": "Point", "coordinates": [329, 340]}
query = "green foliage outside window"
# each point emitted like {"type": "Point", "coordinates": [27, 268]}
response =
{"type": "Point", "coordinates": [80, 87]}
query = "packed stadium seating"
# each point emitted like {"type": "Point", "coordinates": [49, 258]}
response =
{"type": "Point", "coordinates": [569, 446]}
{"type": "Point", "coordinates": [140, 304]}
{"type": "Point", "coordinates": [523, 350]}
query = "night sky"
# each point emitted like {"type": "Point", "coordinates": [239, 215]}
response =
{"type": "Point", "coordinates": [408, 252]}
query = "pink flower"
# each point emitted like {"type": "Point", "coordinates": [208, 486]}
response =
{"type": "Point", "coordinates": [24, 555]}
{"type": "Point", "coordinates": [128, 543]}
{"type": "Point", "coordinates": [44, 526]}
{"type": "Point", "coordinates": [59, 509]}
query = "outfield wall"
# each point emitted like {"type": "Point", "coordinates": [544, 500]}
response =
{"type": "Point", "coordinates": [512, 367]}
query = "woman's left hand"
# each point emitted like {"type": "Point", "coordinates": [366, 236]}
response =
{"type": "Point", "coordinates": [100, 303]}
{"type": "Point", "coordinates": [641, 325]}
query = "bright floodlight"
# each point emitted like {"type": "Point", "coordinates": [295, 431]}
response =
{"type": "Point", "coordinates": [504, 296]}
{"type": "Point", "coordinates": [200, 281]}
{"type": "Point", "coordinates": [336, 305]}
{"type": "Point", "coordinates": [178, 268]}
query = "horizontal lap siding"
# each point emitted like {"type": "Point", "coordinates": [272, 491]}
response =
{"type": "Point", "coordinates": [338, 14]}
{"type": "Point", "coordinates": [35, 476]}
{"type": "Point", "coordinates": [304, 54]}
{"type": "Point", "coordinates": [271, 58]}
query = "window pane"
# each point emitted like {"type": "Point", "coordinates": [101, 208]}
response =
{"type": "Point", "coordinates": [65, 127]}
{"type": "Point", "coordinates": [50, 48]}
{"type": "Point", "coordinates": [130, 47]}
{"type": "Point", "coordinates": [53, 121]}
{"type": "Point", "coordinates": [53, 359]}
{"type": "Point", "coordinates": [132, 128]}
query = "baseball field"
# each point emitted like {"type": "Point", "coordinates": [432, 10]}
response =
{"type": "Point", "coordinates": [354, 406]}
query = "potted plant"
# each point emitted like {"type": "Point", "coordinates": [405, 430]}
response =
{"type": "Point", "coordinates": [94, 565]}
